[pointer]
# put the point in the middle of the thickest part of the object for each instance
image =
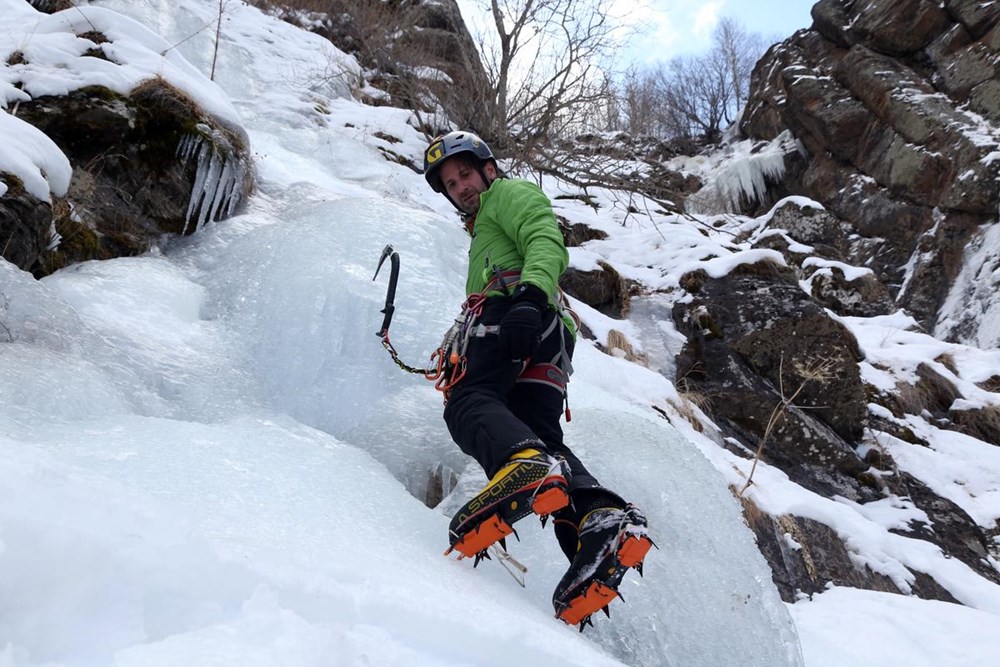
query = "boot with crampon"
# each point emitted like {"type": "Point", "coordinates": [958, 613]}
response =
{"type": "Point", "coordinates": [611, 541]}
{"type": "Point", "coordinates": [531, 482]}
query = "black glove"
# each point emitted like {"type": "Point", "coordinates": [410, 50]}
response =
{"type": "Point", "coordinates": [520, 327]}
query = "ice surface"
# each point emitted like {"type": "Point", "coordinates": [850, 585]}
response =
{"type": "Point", "coordinates": [150, 541]}
{"type": "Point", "coordinates": [301, 297]}
{"type": "Point", "coordinates": [971, 312]}
{"type": "Point", "coordinates": [743, 175]}
{"type": "Point", "coordinates": [706, 597]}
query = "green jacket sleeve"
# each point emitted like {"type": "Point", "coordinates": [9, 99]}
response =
{"type": "Point", "coordinates": [526, 216]}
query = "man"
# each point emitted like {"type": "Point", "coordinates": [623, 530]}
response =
{"type": "Point", "coordinates": [504, 410]}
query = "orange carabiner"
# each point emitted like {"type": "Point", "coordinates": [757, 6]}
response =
{"type": "Point", "coordinates": [436, 371]}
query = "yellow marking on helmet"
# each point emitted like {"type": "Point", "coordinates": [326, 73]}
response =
{"type": "Point", "coordinates": [435, 152]}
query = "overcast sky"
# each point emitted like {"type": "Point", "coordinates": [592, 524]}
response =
{"type": "Point", "coordinates": [676, 27]}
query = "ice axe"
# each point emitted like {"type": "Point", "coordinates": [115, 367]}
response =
{"type": "Point", "coordinates": [390, 295]}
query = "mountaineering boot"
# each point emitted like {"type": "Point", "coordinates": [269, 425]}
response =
{"type": "Point", "coordinates": [530, 481]}
{"type": "Point", "coordinates": [611, 540]}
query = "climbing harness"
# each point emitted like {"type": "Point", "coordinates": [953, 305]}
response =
{"type": "Point", "coordinates": [449, 362]}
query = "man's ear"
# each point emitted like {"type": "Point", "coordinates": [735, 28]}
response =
{"type": "Point", "coordinates": [490, 169]}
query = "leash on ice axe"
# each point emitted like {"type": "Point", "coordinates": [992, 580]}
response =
{"type": "Point", "coordinates": [390, 308]}
{"type": "Point", "coordinates": [508, 562]}
{"type": "Point", "coordinates": [449, 359]}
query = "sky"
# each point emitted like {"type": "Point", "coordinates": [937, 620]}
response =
{"type": "Point", "coordinates": [206, 451]}
{"type": "Point", "coordinates": [684, 27]}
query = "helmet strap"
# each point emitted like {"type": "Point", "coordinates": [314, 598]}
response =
{"type": "Point", "coordinates": [482, 173]}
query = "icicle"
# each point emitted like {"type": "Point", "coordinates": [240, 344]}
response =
{"type": "Point", "coordinates": [220, 196]}
{"type": "Point", "coordinates": [744, 175]}
{"type": "Point", "coordinates": [218, 183]}
{"type": "Point", "coordinates": [198, 189]}
{"type": "Point", "coordinates": [236, 192]}
{"type": "Point", "coordinates": [55, 238]}
{"type": "Point", "coordinates": [189, 143]}
{"type": "Point", "coordinates": [211, 184]}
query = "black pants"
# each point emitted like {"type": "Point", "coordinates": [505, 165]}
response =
{"type": "Point", "coordinates": [492, 416]}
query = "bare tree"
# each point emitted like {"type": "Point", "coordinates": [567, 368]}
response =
{"type": "Point", "coordinates": [739, 51]}
{"type": "Point", "coordinates": [637, 104]}
{"type": "Point", "coordinates": [547, 63]}
{"type": "Point", "coordinates": [694, 96]}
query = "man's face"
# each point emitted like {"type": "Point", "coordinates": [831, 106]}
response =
{"type": "Point", "coordinates": [463, 182]}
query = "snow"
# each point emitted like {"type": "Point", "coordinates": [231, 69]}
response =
{"type": "Point", "coordinates": [895, 343]}
{"type": "Point", "coordinates": [844, 627]}
{"type": "Point", "coordinates": [718, 267]}
{"type": "Point", "coordinates": [32, 157]}
{"type": "Point", "coordinates": [55, 63]}
{"type": "Point", "coordinates": [957, 467]}
{"type": "Point", "coordinates": [209, 459]}
{"type": "Point", "coordinates": [850, 273]}
{"type": "Point", "coordinates": [798, 200]}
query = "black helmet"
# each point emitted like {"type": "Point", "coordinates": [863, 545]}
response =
{"type": "Point", "coordinates": [447, 146]}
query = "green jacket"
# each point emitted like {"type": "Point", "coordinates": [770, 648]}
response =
{"type": "Point", "coordinates": [515, 229]}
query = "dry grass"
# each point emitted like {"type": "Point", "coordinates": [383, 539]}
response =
{"type": "Point", "coordinates": [982, 423]}
{"type": "Point", "coordinates": [52, 6]}
{"type": "Point", "coordinates": [620, 346]}
{"type": "Point", "coordinates": [932, 392]}
{"type": "Point", "coordinates": [816, 370]}
{"type": "Point", "coordinates": [948, 361]}
{"type": "Point", "coordinates": [752, 512]}
{"type": "Point", "coordinates": [691, 406]}
{"type": "Point", "coordinates": [692, 401]}
{"type": "Point", "coordinates": [991, 385]}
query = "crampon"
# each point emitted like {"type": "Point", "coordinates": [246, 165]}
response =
{"type": "Point", "coordinates": [611, 541]}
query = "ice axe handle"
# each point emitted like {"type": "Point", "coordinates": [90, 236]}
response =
{"type": "Point", "coordinates": [390, 295]}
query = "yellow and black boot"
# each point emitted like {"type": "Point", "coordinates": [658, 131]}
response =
{"type": "Point", "coordinates": [531, 482]}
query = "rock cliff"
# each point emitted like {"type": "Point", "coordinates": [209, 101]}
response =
{"type": "Point", "coordinates": [897, 103]}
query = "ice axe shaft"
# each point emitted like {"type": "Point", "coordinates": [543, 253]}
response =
{"type": "Point", "coordinates": [390, 295]}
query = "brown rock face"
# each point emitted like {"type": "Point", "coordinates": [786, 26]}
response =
{"type": "Point", "coordinates": [894, 100]}
{"type": "Point", "coordinates": [781, 377]}
{"type": "Point", "coordinates": [400, 42]}
{"type": "Point", "coordinates": [755, 340]}
{"type": "Point", "coordinates": [24, 224]}
{"type": "Point", "coordinates": [603, 289]}
{"type": "Point", "coordinates": [133, 180]}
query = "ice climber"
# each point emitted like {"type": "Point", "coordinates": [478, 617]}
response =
{"type": "Point", "coordinates": [509, 374]}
